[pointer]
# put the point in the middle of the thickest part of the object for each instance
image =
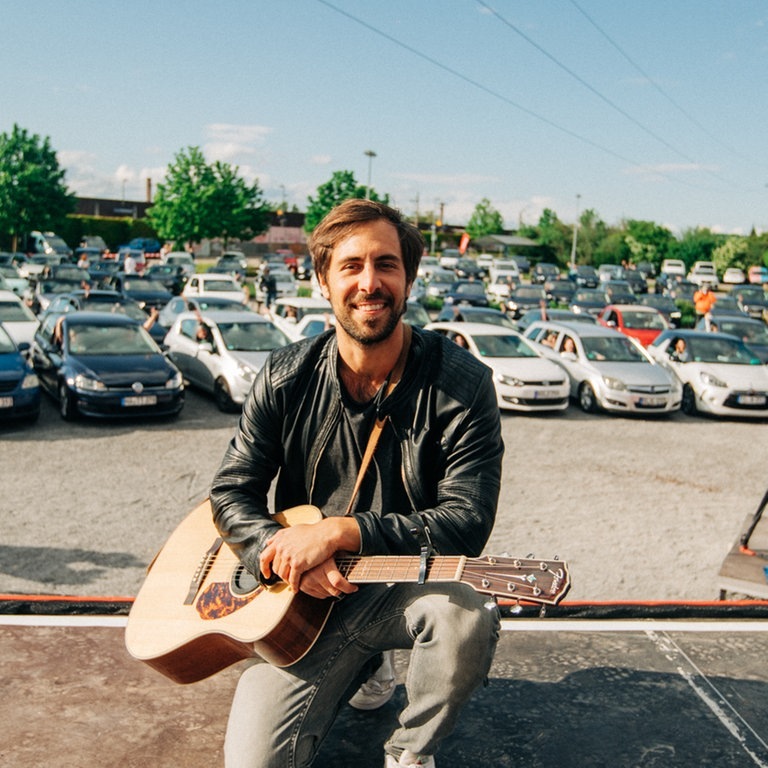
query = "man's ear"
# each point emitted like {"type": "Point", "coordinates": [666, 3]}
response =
{"type": "Point", "coordinates": [323, 288]}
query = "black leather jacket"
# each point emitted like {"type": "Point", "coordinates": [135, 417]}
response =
{"type": "Point", "coordinates": [444, 414]}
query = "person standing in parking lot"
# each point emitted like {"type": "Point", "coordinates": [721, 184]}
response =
{"type": "Point", "coordinates": [269, 287]}
{"type": "Point", "coordinates": [703, 301]}
{"type": "Point", "coordinates": [431, 485]}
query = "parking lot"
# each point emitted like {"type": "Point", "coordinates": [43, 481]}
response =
{"type": "Point", "coordinates": [642, 509]}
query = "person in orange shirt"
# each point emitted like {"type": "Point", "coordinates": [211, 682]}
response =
{"type": "Point", "coordinates": [703, 301]}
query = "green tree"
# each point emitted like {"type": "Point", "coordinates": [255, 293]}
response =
{"type": "Point", "coordinates": [198, 201]}
{"type": "Point", "coordinates": [33, 194]}
{"type": "Point", "coordinates": [341, 186]}
{"type": "Point", "coordinates": [485, 220]}
{"type": "Point", "coordinates": [554, 237]}
{"type": "Point", "coordinates": [732, 253]}
{"type": "Point", "coordinates": [648, 241]}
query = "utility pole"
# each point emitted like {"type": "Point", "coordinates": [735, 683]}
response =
{"type": "Point", "coordinates": [575, 233]}
{"type": "Point", "coordinates": [370, 154]}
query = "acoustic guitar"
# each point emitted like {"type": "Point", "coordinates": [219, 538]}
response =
{"type": "Point", "coordinates": [199, 610]}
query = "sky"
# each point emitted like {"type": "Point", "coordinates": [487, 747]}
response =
{"type": "Point", "coordinates": [652, 110]}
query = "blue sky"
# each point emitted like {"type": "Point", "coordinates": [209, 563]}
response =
{"type": "Point", "coordinates": [650, 110]}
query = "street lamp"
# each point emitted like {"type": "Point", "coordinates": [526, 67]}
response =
{"type": "Point", "coordinates": [575, 233]}
{"type": "Point", "coordinates": [370, 154]}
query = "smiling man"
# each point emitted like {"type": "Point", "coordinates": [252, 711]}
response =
{"type": "Point", "coordinates": [431, 487]}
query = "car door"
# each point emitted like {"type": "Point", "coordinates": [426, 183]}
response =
{"type": "Point", "coordinates": [46, 356]}
{"type": "Point", "coordinates": [196, 358]}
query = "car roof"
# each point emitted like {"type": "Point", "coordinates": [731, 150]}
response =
{"type": "Point", "coordinates": [8, 295]}
{"type": "Point", "coordinates": [577, 329]}
{"type": "Point", "coordinates": [473, 329]}
{"type": "Point", "coordinates": [98, 318]}
{"type": "Point", "coordinates": [226, 316]}
{"type": "Point", "coordinates": [303, 301]}
{"type": "Point", "coordinates": [633, 308]}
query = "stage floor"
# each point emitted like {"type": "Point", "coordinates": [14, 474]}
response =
{"type": "Point", "coordinates": [562, 693]}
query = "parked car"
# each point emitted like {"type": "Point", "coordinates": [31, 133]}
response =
{"type": "Point", "coordinates": [43, 291]}
{"type": "Point", "coordinates": [500, 287]}
{"type": "Point", "coordinates": [524, 297]}
{"type": "Point", "coordinates": [12, 280]}
{"type": "Point", "coordinates": [607, 272]}
{"type": "Point", "coordinates": [214, 284]}
{"type": "Point", "coordinates": [466, 313]}
{"type": "Point", "coordinates": [100, 271]}
{"type": "Point", "coordinates": [754, 333]}
{"type": "Point", "coordinates": [467, 292]}
{"type": "Point", "coordinates": [304, 267]}
{"type": "Point", "coordinates": [674, 267]}
{"type": "Point", "coordinates": [147, 293]}
{"type": "Point", "coordinates": [225, 357]}
{"type": "Point", "coordinates": [105, 365]}
{"type": "Point", "coordinates": [415, 314]}
{"type": "Point", "coordinates": [637, 280]}
{"type": "Point", "coordinates": [524, 379]}
{"type": "Point", "coordinates": [757, 275]}
{"type": "Point", "coordinates": [181, 259]}
{"type": "Point", "coordinates": [288, 312]}
{"type": "Point", "coordinates": [523, 262]}
{"type": "Point", "coordinates": [607, 370]}
{"type": "Point", "coordinates": [734, 276]}
{"type": "Point", "coordinates": [466, 268]}
{"type": "Point", "coordinates": [584, 276]}
{"type": "Point", "coordinates": [17, 318]}
{"type": "Point", "coordinates": [588, 301]}
{"type": "Point", "coordinates": [665, 305]}
{"type": "Point", "coordinates": [719, 374]}
{"type": "Point", "coordinates": [231, 265]}
{"type": "Point", "coordinates": [19, 385]}
{"type": "Point", "coordinates": [173, 277]}
{"type": "Point", "coordinates": [36, 265]}
{"type": "Point", "coordinates": [560, 291]}
{"type": "Point", "coordinates": [559, 315]}
{"type": "Point", "coordinates": [440, 283]}
{"type": "Point", "coordinates": [619, 291]}
{"type": "Point", "coordinates": [180, 304]}
{"type": "Point", "coordinates": [147, 245]}
{"type": "Point", "coordinates": [426, 265]}
{"type": "Point", "coordinates": [634, 320]}
{"type": "Point", "coordinates": [682, 290]}
{"type": "Point", "coordinates": [704, 273]}
{"type": "Point", "coordinates": [543, 272]}
{"type": "Point", "coordinates": [752, 300]}
{"type": "Point", "coordinates": [286, 284]}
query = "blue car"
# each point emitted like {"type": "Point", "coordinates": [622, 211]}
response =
{"type": "Point", "coordinates": [19, 385]}
{"type": "Point", "coordinates": [105, 365]}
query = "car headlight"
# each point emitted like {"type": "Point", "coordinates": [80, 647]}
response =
{"type": "Point", "coordinates": [510, 381]}
{"type": "Point", "coordinates": [88, 384]}
{"type": "Point", "coordinates": [711, 380]}
{"type": "Point", "coordinates": [246, 372]}
{"type": "Point", "coordinates": [613, 383]}
{"type": "Point", "coordinates": [30, 381]}
{"type": "Point", "coordinates": [175, 382]}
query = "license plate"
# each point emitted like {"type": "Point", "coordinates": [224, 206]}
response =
{"type": "Point", "coordinates": [651, 401]}
{"type": "Point", "coordinates": [6, 402]}
{"type": "Point", "coordinates": [545, 394]}
{"type": "Point", "coordinates": [751, 399]}
{"type": "Point", "coordinates": [135, 400]}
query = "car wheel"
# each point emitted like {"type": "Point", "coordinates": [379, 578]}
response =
{"type": "Point", "coordinates": [688, 406]}
{"type": "Point", "coordinates": [587, 399]}
{"type": "Point", "coordinates": [223, 397]}
{"type": "Point", "coordinates": [67, 407]}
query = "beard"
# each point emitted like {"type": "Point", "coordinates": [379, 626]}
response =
{"type": "Point", "coordinates": [369, 331]}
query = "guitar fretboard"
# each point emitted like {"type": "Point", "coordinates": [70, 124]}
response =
{"type": "Point", "coordinates": [378, 569]}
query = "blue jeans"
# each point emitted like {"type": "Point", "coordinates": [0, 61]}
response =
{"type": "Point", "coordinates": [279, 717]}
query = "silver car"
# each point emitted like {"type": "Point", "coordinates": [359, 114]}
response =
{"type": "Point", "coordinates": [607, 370]}
{"type": "Point", "coordinates": [221, 352]}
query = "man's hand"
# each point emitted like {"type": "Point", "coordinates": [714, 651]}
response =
{"type": "Point", "coordinates": [294, 551]}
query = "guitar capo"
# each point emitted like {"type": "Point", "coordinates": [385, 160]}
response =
{"type": "Point", "coordinates": [426, 549]}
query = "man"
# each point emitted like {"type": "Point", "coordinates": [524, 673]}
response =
{"type": "Point", "coordinates": [703, 301]}
{"type": "Point", "coordinates": [432, 485]}
{"type": "Point", "coordinates": [269, 287]}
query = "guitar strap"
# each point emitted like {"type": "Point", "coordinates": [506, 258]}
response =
{"type": "Point", "coordinates": [394, 379]}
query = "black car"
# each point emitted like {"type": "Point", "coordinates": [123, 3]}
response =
{"type": "Point", "coordinates": [467, 292]}
{"type": "Point", "coordinates": [637, 280]}
{"type": "Point", "coordinates": [172, 276]}
{"type": "Point", "coordinates": [468, 314]}
{"type": "Point", "coordinates": [544, 272]}
{"type": "Point", "coordinates": [466, 268]}
{"type": "Point", "coordinates": [619, 292]}
{"type": "Point", "coordinates": [147, 293]}
{"type": "Point", "coordinates": [584, 276]}
{"type": "Point", "coordinates": [524, 297]}
{"type": "Point", "coordinates": [752, 301]}
{"type": "Point", "coordinates": [559, 291]}
{"type": "Point", "coordinates": [105, 365]}
{"type": "Point", "coordinates": [665, 305]}
{"type": "Point", "coordinates": [101, 270]}
{"type": "Point", "coordinates": [589, 300]}
{"type": "Point", "coordinates": [229, 265]}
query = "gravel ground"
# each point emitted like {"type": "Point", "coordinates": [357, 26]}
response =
{"type": "Point", "coordinates": [642, 509]}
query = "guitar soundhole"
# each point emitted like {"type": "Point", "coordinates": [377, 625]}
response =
{"type": "Point", "coordinates": [243, 581]}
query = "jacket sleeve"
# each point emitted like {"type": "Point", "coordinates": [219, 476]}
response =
{"type": "Point", "coordinates": [454, 479]}
{"type": "Point", "coordinates": [241, 484]}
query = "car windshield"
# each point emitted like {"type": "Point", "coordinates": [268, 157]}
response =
{"type": "Point", "coordinates": [218, 304]}
{"type": "Point", "coordinates": [470, 288]}
{"type": "Point", "coordinates": [611, 349]}
{"type": "Point", "coordinates": [144, 285]}
{"type": "Point", "coordinates": [503, 346]}
{"type": "Point", "coordinates": [15, 312]}
{"type": "Point", "coordinates": [593, 296]}
{"type": "Point", "coordinates": [57, 286]}
{"type": "Point", "coordinates": [711, 349]}
{"type": "Point", "coordinates": [111, 304]}
{"type": "Point", "coordinates": [252, 337]}
{"type": "Point", "coordinates": [109, 340]}
{"type": "Point", "coordinates": [649, 320]}
{"type": "Point", "coordinates": [529, 292]}
{"type": "Point", "coordinates": [221, 285]}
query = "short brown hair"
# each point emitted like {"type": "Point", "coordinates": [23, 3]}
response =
{"type": "Point", "coordinates": [341, 222]}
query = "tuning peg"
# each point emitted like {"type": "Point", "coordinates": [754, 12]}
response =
{"type": "Point", "coordinates": [516, 609]}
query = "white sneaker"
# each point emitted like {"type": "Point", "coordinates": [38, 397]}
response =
{"type": "Point", "coordinates": [379, 688]}
{"type": "Point", "coordinates": [410, 760]}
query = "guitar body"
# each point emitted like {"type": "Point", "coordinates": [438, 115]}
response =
{"type": "Point", "coordinates": [198, 611]}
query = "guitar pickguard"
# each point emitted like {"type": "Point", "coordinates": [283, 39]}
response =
{"type": "Point", "coordinates": [217, 600]}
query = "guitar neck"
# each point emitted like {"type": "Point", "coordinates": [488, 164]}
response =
{"type": "Point", "coordinates": [378, 569]}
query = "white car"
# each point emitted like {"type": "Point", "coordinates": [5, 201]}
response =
{"type": "Point", "coordinates": [607, 370]}
{"type": "Point", "coordinates": [214, 284]}
{"type": "Point", "coordinates": [287, 285]}
{"type": "Point", "coordinates": [181, 259]}
{"type": "Point", "coordinates": [289, 313]}
{"type": "Point", "coordinates": [704, 273]}
{"type": "Point", "coordinates": [524, 379]}
{"type": "Point", "coordinates": [673, 267]}
{"type": "Point", "coordinates": [225, 358]}
{"type": "Point", "coordinates": [720, 375]}
{"type": "Point", "coordinates": [17, 318]}
{"type": "Point", "coordinates": [734, 276]}
{"type": "Point", "coordinates": [501, 285]}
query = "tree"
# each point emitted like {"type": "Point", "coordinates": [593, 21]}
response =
{"type": "Point", "coordinates": [732, 253]}
{"type": "Point", "coordinates": [199, 201]}
{"type": "Point", "coordinates": [648, 241]}
{"type": "Point", "coordinates": [33, 194]}
{"type": "Point", "coordinates": [485, 220]}
{"type": "Point", "coordinates": [341, 186]}
{"type": "Point", "coordinates": [554, 237]}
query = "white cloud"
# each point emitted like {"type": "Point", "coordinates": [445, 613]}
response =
{"type": "Point", "coordinates": [227, 141]}
{"type": "Point", "coordinates": [321, 160]}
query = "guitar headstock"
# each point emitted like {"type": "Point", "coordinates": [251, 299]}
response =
{"type": "Point", "coordinates": [516, 578]}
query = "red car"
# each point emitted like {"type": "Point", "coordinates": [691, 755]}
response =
{"type": "Point", "coordinates": [635, 320]}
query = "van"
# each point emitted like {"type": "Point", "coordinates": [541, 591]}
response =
{"type": "Point", "coordinates": [673, 267]}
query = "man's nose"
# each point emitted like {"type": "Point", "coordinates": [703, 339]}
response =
{"type": "Point", "coordinates": [368, 278]}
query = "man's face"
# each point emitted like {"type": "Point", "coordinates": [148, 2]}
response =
{"type": "Point", "coordinates": [366, 282]}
